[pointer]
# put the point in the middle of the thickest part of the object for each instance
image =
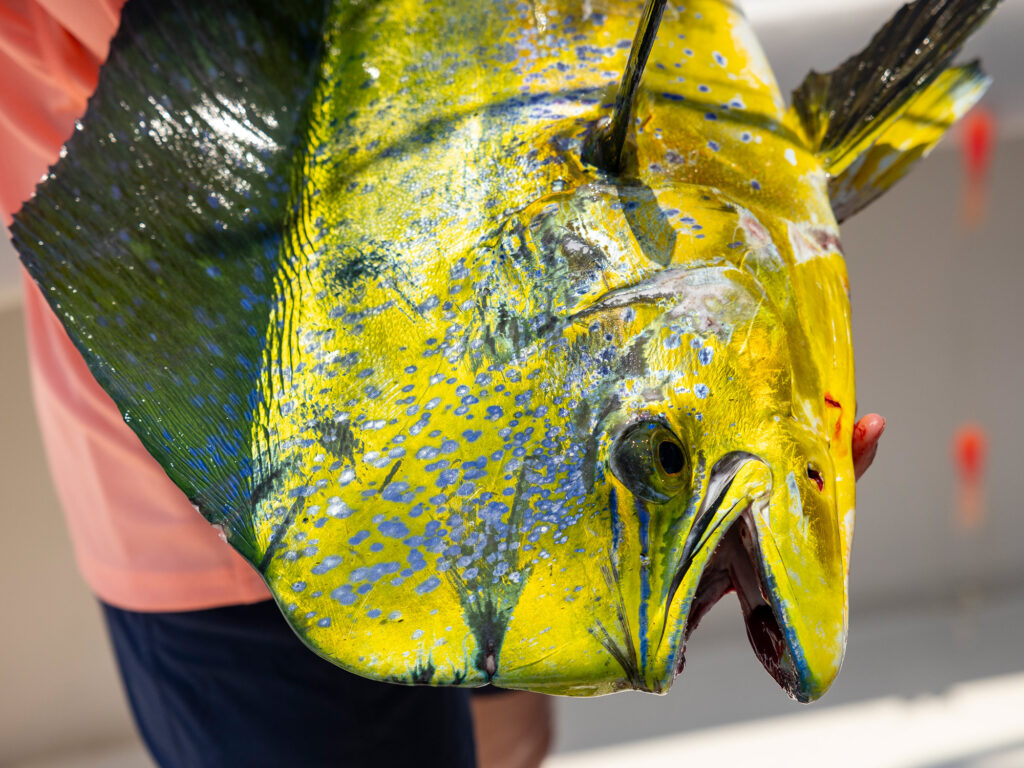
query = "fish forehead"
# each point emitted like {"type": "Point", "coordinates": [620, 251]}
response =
{"type": "Point", "coordinates": [438, 153]}
{"type": "Point", "coordinates": [498, 109]}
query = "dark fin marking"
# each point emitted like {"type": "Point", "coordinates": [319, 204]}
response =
{"type": "Point", "coordinates": [919, 128]}
{"type": "Point", "coordinates": [277, 539]}
{"type": "Point", "coordinates": [624, 653]}
{"type": "Point", "coordinates": [390, 476]}
{"type": "Point", "coordinates": [605, 144]}
{"type": "Point", "coordinates": [842, 113]}
{"type": "Point", "coordinates": [156, 238]}
{"type": "Point", "coordinates": [488, 612]}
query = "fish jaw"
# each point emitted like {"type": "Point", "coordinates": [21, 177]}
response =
{"type": "Point", "coordinates": [799, 546]}
{"type": "Point", "coordinates": [751, 535]}
{"type": "Point", "coordinates": [695, 576]}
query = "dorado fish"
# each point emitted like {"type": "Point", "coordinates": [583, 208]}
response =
{"type": "Point", "coordinates": [502, 338]}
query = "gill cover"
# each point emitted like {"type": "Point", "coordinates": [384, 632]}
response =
{"type": "Point", "coordinates": [476, 409]}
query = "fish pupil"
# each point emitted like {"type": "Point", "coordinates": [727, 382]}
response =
{"type": "Point", "coordinates": [670, 456]}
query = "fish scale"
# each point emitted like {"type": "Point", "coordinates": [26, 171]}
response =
{"type": "Point", "coordinates": [478, 410]}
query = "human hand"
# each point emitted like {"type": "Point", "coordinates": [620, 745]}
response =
{"type": "Point", "coordinates": [865, 442]}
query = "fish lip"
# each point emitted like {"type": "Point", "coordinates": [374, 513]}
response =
{"type": "Point", "coordinates": [720, 480]}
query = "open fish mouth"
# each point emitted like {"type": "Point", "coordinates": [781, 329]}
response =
{"type": "Point", "coordinates": [736, 566]}
{"type": "Point", "coordinates": [760, 538]}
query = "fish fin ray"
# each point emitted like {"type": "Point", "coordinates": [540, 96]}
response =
{"type": "Point", "coordinates": [910, 138]}
{"type": "Point", "coordinates": [842, 113]}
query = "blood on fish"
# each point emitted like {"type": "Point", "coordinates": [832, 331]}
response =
{"type": "Point", "coordinates": [829, 400]}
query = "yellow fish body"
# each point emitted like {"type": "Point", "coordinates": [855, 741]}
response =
{"type": "Point", "coordinates": [478, 410]}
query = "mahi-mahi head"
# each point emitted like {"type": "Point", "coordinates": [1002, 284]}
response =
{"type": "Point", "coordinates": [479, 408]}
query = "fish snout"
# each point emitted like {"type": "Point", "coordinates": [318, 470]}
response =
{"type": "Point", "coordinates": [795, 545]}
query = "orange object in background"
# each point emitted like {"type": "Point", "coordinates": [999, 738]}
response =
{"type": "Point", "coordinates": [970, 451]}
{"type": "Point", "coordinates": [977, 142]}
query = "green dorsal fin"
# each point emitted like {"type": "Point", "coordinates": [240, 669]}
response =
{"type": "Point", "coordinates": [919, 128]}
{"type": "Point", "coordinates": [842, 113]}
{"type": "Point", "coordinates": [156, 238]}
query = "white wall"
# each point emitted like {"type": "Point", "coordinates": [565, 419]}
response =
{"type": "Point", "coordinates": [57, 681]}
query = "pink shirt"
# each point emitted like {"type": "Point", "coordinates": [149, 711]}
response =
{"type": "Point", "coordinates": [139, 543]}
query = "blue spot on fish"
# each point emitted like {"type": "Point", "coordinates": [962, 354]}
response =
{"type": "Point", "coordinates": [428, 586]}
{"type": "Point", "coordinates": [360, 537]}
{"type": "Point", "coordinates": [327, 564]}
{"type": "Point", "coordinates": [344, 594]}
{"type": "Point", "coordinates": [393, 529]}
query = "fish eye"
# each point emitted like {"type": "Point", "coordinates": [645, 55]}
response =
{"type": "Point", "coordinates": [815, 474]}
{"type": "Point", "coordinates": [650, 461]}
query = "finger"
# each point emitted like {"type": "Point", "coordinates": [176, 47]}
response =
{"type": "Point", "coordinates": [866, 459]}
{"type": "Point", "coordinates": [866, 434]}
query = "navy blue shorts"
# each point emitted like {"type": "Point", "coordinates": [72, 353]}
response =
{"type": "Point", "coordinates": [235, 687]}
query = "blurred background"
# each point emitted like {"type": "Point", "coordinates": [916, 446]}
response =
{"type": "Point", "coordinates": [934, 674]}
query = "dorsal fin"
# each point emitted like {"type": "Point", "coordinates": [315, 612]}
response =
{"type": "Point", "coordinates": [843, 113]}
{"type": "Point", "coordinates": [605, 144]}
